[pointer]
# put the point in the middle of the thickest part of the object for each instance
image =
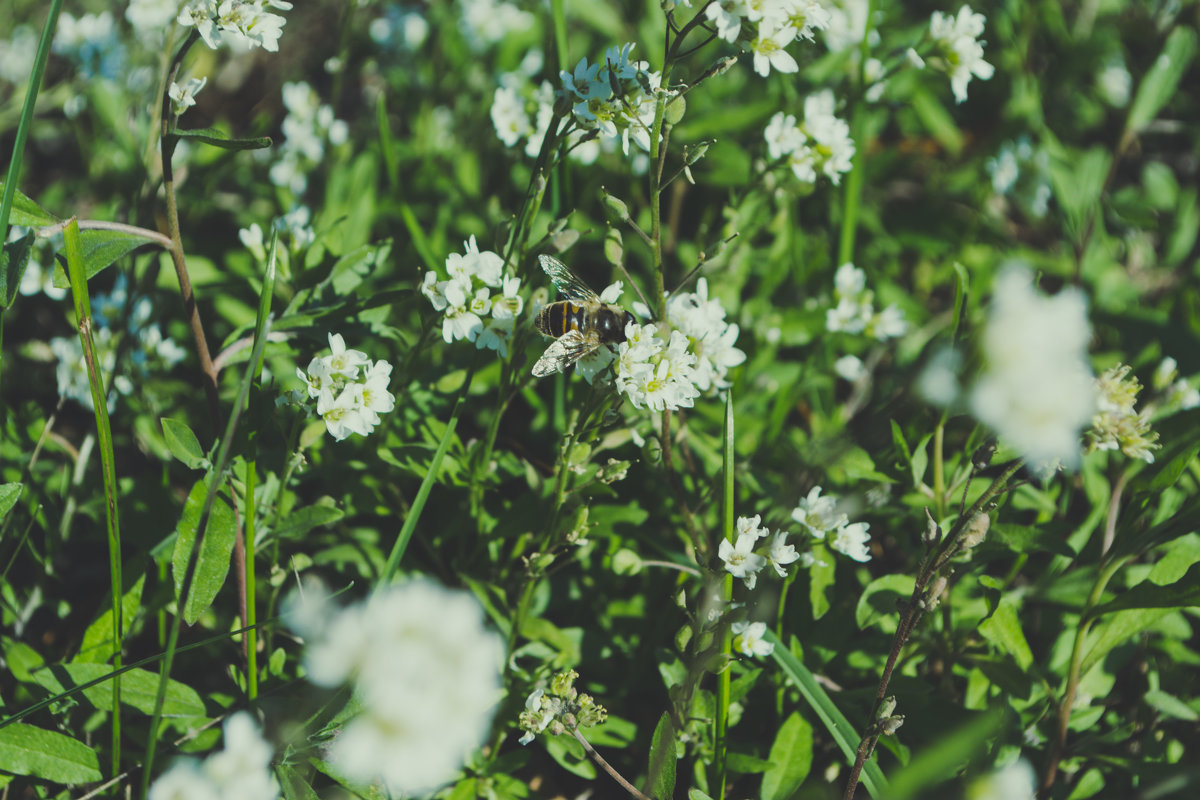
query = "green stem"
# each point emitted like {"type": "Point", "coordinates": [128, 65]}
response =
{"type": "Point", "coordinates": [252, 634]}
{"type": "Point", "coordinates": [852, 197]}
{"type": "Point", "coordinates": [1073, 675]}
{"type": "Point", "coordinates": [83, 315]}
{"type": "Point", "coordinates": [724, 679]}
{"type": "Point", "coordinates": [939, 469]}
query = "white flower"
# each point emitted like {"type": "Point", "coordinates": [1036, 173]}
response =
{"type": "Point", "coordinates": [585, 83]}
{"type": "Point", "coordinates": [727, 16]}
{"type": "Point", "coordinates": [151, 17]}
{"type": "Point", "coordinates": [849, 368]}
{"type": "Point", "coordinates": [653, 374]}
{"type": "Point", "coordinates": [343, 414]}
{"type": "Point", "coordinates": [431, 288]}
{"type": "Point", "coordinates": [245, 22]}
{"type": "Point", "coordinates": [184, 781]}
{"type": "Point", "coordinates": [426, 672]}
{"type": "Point", "coordinates": [496, 336]}
{"type": "Point", "coordinates": [852, 541]}
{"type": "Point", "coordinates": [184, 97]}
{"type": "Point", "coordinates": [485, 22]}
{"type": "Point", "coordinates": [956, 38]}
{"type": "Point", "coordinates": [342, 361]}
{"type": "Point", "coordinates": [1014, 781]}
{"type": "Point", "coordinates": [748, 639]}
{"type": "Point", "coordinates": [887, 324]}
{"type": "Point", "coordinates": [509, 117]}
{"type": "Point", "coordinates": [459, 323]}
{"type": "Point", "coordinates": [749, 526]}
{"type": "Point", "coordinates": [781, 554]}
{"type": "Point", "coordinates": [783, 135]}
{"type": "Point", "coordinates": [818, 514]}
{"type": "Point", "coordinates": [740, 559]}
{"type": "Point", "coordinates": [769, 47]}
{"type": "Point", "coordinates": [1037, 390]}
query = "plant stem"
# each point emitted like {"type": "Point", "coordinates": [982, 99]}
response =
{"type": "Point", "coordinates": [604, 765]}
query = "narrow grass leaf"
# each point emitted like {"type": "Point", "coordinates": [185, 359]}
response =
{"type": "Point", "coordinates": [835, 722]}
{"type": "Point", "coordinates": [942, 761]}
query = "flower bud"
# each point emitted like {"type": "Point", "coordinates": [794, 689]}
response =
{"type": "Point", "coordinates": [976, 531]}
{"type": "Point", "coordinates": [614, 247]}
{"type": "Point", "coordinates": [614, 207]}
{"type": "Point", "coordinates": [886, 707]}
{"type": "Point", "coordinates": [933, 531]}
{"type": "Point", "coordinates": [891, 724]}
{"type": "Point", "coordinates": [674, 111]}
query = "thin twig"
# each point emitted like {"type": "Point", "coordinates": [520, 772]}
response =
{"type": "Point", "coordinates": [604, 765]}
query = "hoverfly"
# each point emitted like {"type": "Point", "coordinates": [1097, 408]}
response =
{"type": "Point", "coordinates": [579, 323]}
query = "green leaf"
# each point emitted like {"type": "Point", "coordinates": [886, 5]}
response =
{"type": "Point", "coordinates": [820, 576]}
{"type": "Point", "coordinates": [138, 689]}
{"type": "Point", "coordinates": [835, 722]}
{"type": "Point", "coordinates": [100, 249]}
{"type": "Point", "coordinates": [9, 494]}
{"type": "Point", "coordinates": [661, 782]}
{"type": "Point", "coordinates": [878, 602]}
{"type": "Point", "coordinates": [1171, 705]}
{"type": "Point", "coordinates": [303, 520]}
{"type": "Point", "coordinates": [98, 639]}
{"type": "Point", "coordinates": [937, 120]}
{"type": "Point", "coordinates": [29, 750]}
{"type": "Point", "coordinates": [1003, 630]}
{"type": "Point", "coordinates": [27, 213]}
{"type": "Point", "coordinates": [1115, 630]}
{"type": "Point", "coordinates": [1182, 594]}
{"type": "Point", "coordinates": [13, 260]}
{"type": "Point", "coordinates": [791, 759]}
{"type": "Point", "coordinates": [213, 559]}
{"type": "Point", "coordinates": [293, 785]}
{"type": "Point", "coordinates": [1078, 180]}
{"type": "Point", "coordinates": [1162, 80]}
{"type": "Point", "coordinates": [183, 444]}
{"type": "Point", "coordinates": [945, 758]}
{"type": "Point", "coordinates": [218, 139]}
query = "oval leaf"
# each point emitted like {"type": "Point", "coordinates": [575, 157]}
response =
{"type": "Point", "coordinates": [213, 564]}
{"type": "Point", "coordinates": [183, 444]}
{"type": "Point", "coordinates": [791, 759]}
{"type": "Point", "coordinates": [29, 750]}
{"type": "Point", "coordinates": [100, 250]}
{"type": "Point", "coordinates": [13, 260]}
{"type": "Point", "coordinates": [9, 494]}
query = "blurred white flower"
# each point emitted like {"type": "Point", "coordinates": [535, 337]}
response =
{"type": "Point", "coordinates": [1014, 781]}
{"type": "Point", "coordinates": [425, 671]}
{"type": "Point", "coordinates": [820, 144]}
{"type": "Point", "coordinates": [485, 22]}
{"type": "Point", "coordinates": [1037, 390]}
{"type": "Point", "coordinates": [851, 540]}
{"type": "Point", "coordinates": [818, 514]}
{"type": "Point", "coordinates": [241, 771]}
{"type": "Point", "coordinates": [849, 368]}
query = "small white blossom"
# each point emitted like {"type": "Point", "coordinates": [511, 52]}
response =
{"type": "Point", "coordinates": [184, 97]}
{"type": "Point", "coordinates": [240, 771]}
{"type": "Point", "coordinates": [768, 49]}
{"type": "Point", "coordinates": [350, 390]}
{"type": "Point", "coordinates": [818, 514]}
{"type": "Point", "coordinates": [740, 559]}
{"type": "Point", "coordinates": [748, 639]}
{"type": "Point", "coordinates": [245, 22]}
{"type": "Point", "coordinates": [781, 553]}
{"type": "Point", "coordinates": [852, 540]}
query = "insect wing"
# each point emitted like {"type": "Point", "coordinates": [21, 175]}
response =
{"type": "Point", "coordinates": [569, 284]}
{"type": "Point", "coordinates": [564, 351]}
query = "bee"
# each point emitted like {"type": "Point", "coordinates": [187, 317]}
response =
{"type": "Point", "coordinates": [579, 323]}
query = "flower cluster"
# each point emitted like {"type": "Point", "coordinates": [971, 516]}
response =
{"type": "Point", "coordinates": [768, 26]}
{"type": "Point", "coordinates": [244, 22]}
{"type": "Point", "coordinates": [695, 356]}
{"type": "Point", "coordinates": [1037, 391]}
{"type": "Point", "coordinates": [819, 517]}
{"type": "Point", "coordinates": [522, 111]}
{"type": "Point", "coordinates": [959, 53]}
{"type": "Point", "coordinates": [745, 557]}
{"type": "Point", "coordinates": [1115, 425]}
{"type": "Point", "coordinates": [350, 390]}
{"type": "Point", "coordinates": [425, 673]}
{"type": "Point", "coordinates": [466, 298]}
{"type": "Point", "coordinates": [563, 708]}
{"type": "Point", "coordinates": [151, 18]}
{"type": "Point", "coordinates": [821, 145]}
{"type": "Point", "coordinates": [242, 771]}
{"type": "Point", "coordinates": [855, 310]}
{"type": "Point", "coordinates": [151, 354]}
{"type": "Point", "coordinates": [616, 98]}
{"type": "Point", "coordinates": [307, 126]}
{"type": "Point", "coordinates": [92, 42]}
